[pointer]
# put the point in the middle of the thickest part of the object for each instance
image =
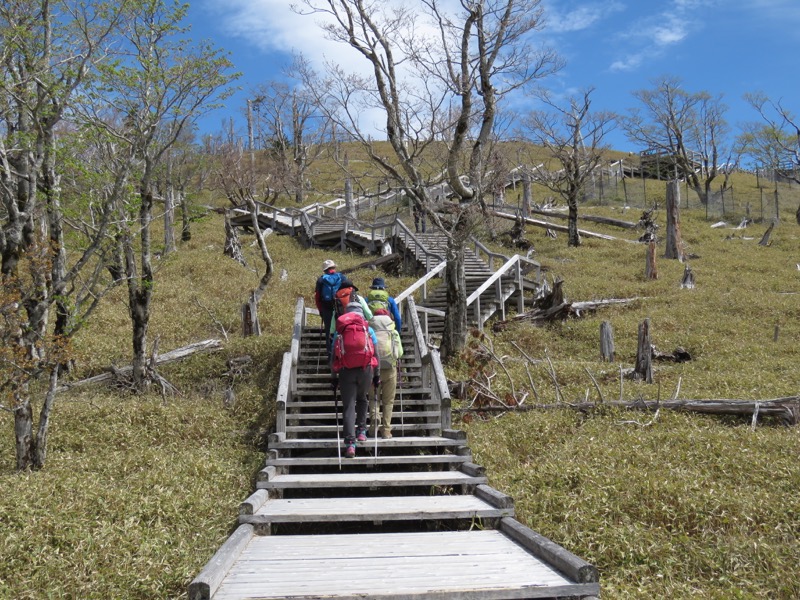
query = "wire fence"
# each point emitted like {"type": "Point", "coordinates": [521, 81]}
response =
{"type": "Point", "coordinates": [755, 197]}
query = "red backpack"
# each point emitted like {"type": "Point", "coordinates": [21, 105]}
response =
{"type": "Point", "coordinates": [342, 298]}
{"type": "Point", "coordinates": [353, 348]}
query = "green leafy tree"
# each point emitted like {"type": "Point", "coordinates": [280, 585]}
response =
{"type": "Point", "coordinates": [159, 86]}
{"type": "Point", "coordinates": [47, 51]}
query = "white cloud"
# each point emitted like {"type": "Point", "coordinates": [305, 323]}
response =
{"type": "Point", "coordinates": [653, 35]}
{"type": "Point", "coordinates": [579, 18]}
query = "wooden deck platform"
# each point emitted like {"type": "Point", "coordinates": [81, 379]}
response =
{"type": "Point", "coordinates": [397, 566]}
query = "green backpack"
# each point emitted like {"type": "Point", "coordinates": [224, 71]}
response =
{"type": "Point", "coordinates": [389, 348]}
{"type": "Point", "coordinates": [377, 299]}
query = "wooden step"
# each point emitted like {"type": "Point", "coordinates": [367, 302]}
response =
{"type": "Point", "coordinates": [378, 508]}
{"type": "Point", "coordinates": [399, 441]}
{"type": "Point", "coordinates": [442, 565]}
{"type": "Point", "coordinates": [370, 480]}
{"type": "Point", "coordinates": [324, 416]}
{"type": "Point", "coordinates": [408, 399]}
{"type": "Point", "coordinates": [331, 429]}
{"type": "Point", "coordinates": [370, 461]}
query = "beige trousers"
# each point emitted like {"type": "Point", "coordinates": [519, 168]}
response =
{"type": "Point", "coordinates": [386, 395]}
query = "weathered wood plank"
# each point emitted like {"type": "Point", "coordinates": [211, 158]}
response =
{"type": "Point", "coordinates": [395, 442]}
{"type": "Point", "coordinates": [562, 559]}
{"type": "Point", "coordinates": [472, 564]}
{"type": "Point", "coordinates": [383, 508]}
{"type": "Point", "coordinates": [323, 480]}
{"type": "Point", "coordinates": [417, 459]}
{"type": "Point", "coordinates": [207, 582]}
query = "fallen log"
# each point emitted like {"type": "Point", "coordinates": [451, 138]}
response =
{"type": "Point", "coordinates": [554, 227]}
{"type": "Point", "coordinates": [564, 310]}
{"type": "Point", "coordinates": [370, 264]}
{"type": "Point", "coordinates": [168, 357]}
{"type": "Point", "coordinates": [591, 218]}
{"type": "Point", "coordinates": [787, 409]}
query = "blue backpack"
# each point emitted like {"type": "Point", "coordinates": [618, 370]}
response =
{"type": "Point", "coordinates": [330, 285]}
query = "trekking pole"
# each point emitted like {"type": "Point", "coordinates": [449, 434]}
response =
{"type": "Point", "coordinates": [338, 443]}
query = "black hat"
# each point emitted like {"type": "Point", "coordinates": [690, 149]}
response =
{"type": "Point", "coordinates": [346, 283]}
{"type": "Point", "coordinates": [378, 284]}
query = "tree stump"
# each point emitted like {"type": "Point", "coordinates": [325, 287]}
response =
{"type": "Point", "coordinates": [551, 298]}
{"type": "Point", "coordinates": [606, 342]}
{"type": "Point", "coordinates": [650, 269]}
{"type": "Point", "coordinates": [767, 234]}
{"type": "Point", "coordinates": [674, 244]}
{"type": "Point", "coordinates": [250, 324]}
{"type": "Point", "coordinates": [644, 354]}
{"type": "Point", "coordinates": [687, 282]}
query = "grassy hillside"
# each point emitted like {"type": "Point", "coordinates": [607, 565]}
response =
{"type": "Point", "coordinates": [138, 492]}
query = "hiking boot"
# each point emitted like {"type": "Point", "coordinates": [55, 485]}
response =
{"type": "Point", "coordinates": [386, 435]}
{"type": "Point", "coordinates": [361, 434]}
{"type": "Point", "coordinates": [350, 451]}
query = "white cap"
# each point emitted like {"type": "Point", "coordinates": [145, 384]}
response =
{"type": "Point", "coordinates": [328, 264]}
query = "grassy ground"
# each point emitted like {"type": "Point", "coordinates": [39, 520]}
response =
{"type": "Point", "coordinates": [138, 492]}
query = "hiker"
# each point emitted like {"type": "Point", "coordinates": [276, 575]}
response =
{"type": "Point", "coordinates": [389, 349]}
{"type": "Point", "coordinates": [346, 294]}
{"type": "Point", "coordinates": [378, 298]}
{"type": "Point", "coordinates": [324, 295]}
{"type": "Point", "coordinates": [355, 366]}
{"type": "Point", "coordinates": [419, 218]}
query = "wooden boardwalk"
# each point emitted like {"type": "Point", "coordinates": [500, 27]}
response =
{"type": "Point", "coordinates": [409, 517]}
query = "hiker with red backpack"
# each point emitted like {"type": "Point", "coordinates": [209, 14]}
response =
{"type": "Point", "coordinates": [325, 295]}
{"type": "Point", "coordinates": [355, 367]}
{"type": "Point", "coordinates": [345, 295]}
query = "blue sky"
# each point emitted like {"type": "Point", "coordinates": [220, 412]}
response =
{"type": "Point", "coordinates": [726, 47]}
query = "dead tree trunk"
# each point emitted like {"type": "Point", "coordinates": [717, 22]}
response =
{"type": "Point", "coordinates": [687, 283]}
{"type": "Point", "coordinates": [767, 234]}
{"type": "Point", "coordinates": [644, 354]}
{"type": "Point", "coordinates": [674, 247]}
{"type": "Point", "coordinates": [526, 197]}
{"type": "Point", "coordinates": [650, 269]}
{"type": "Point", "coordinates": [250, 324]}
{"type": "Point", "coordinates": [606, 341]}
{"type": "Point", "coordinates": [233, 247]}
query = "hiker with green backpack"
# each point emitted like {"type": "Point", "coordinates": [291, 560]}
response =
{"type": "Point", "coordinates": [378, 298]}
{"type": "Point", "coordinates": [389, 350]}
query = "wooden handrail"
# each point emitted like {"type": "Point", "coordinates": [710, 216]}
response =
{"type": "Point", "coordinates": [514, 260]}
{"type": "Point", "coordinates": [406, 293]}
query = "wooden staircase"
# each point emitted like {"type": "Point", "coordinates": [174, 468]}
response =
{"type": "Point", "coordinates": [409, 517]}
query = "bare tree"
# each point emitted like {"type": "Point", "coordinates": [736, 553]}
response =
{"type": "Point", "coordinates": [292, 129]}
{"type": "Point", "coordinates": [436, 77]}
{"type": "Point", "coordinates": [687, 130]}
{"type": "Point", "coordinates": [573, 135]}
{"type": "Point", "coordinates": [776, 141]}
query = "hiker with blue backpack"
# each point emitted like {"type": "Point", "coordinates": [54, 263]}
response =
{"type": "Point", "coordinates": [355, 367]}
{"type": "Point", "coordinates": [325, 295]}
